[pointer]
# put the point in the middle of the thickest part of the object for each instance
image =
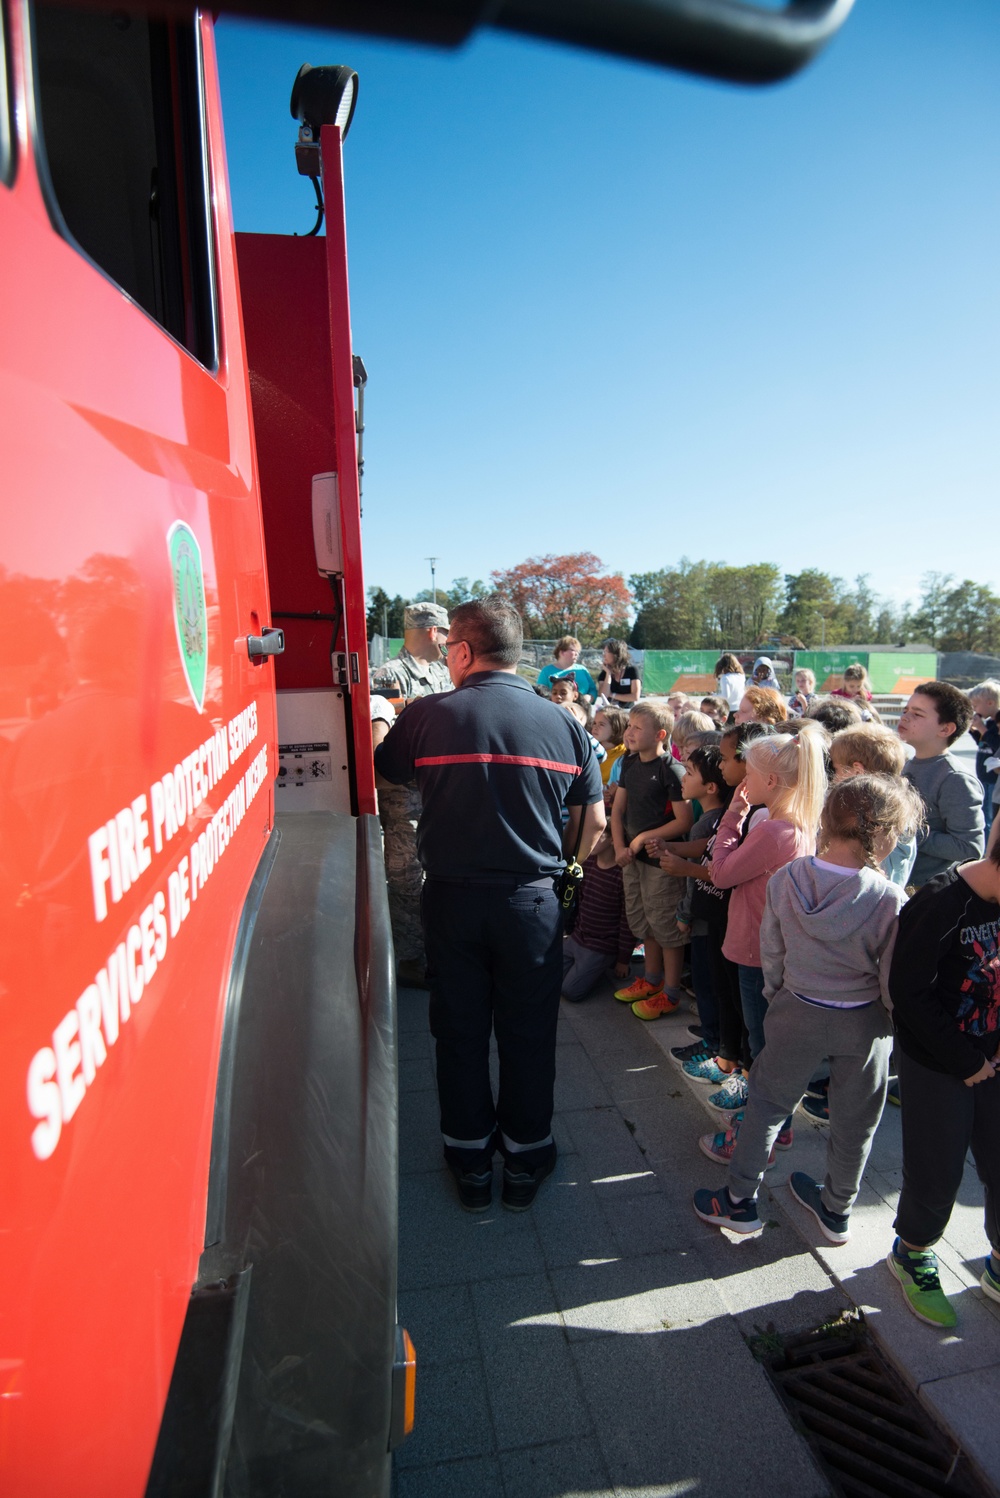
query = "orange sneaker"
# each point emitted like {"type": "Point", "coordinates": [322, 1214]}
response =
{"type": "Point", "coordinates": [655, 1005]}
{"type": "Point", "coordinates": [639, 988]}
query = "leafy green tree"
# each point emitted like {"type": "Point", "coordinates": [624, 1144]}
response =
{"type": "Point", "coordinates": [705, 605]}
{"type": "Point", "coordinates": [930, 619]}
{"type": "Point", "coordinates": [812, 608]}
{"type": "Point", "coordinates": [673, 607]}
{"type": "Point", "coordinates": [461, 591]}
{"type": "Point", "coordinates": [971, 619]}
{"type": "Point", "coordinates": [385, 614]}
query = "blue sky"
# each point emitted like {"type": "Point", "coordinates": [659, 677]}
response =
{"type": "Point", "coordinates": [608, 308]}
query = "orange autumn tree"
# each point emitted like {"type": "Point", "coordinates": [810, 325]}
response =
{"type": "Point", "coordinates": [566, 595]}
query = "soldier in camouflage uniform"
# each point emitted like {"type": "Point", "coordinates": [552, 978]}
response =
{"type": "Point", "coordinates": [417, 670]}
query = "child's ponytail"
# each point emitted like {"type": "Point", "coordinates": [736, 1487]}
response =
{"type": "Point", "coordinates": [799, 762]}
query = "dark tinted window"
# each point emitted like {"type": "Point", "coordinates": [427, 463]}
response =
{"type": "Point", "coordinates": [6, 147]}
{"type": "Point", "coordinates": [121, 120]}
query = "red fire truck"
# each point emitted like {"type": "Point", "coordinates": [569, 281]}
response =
{"type": "Point", "coordinates": [197, 1282]}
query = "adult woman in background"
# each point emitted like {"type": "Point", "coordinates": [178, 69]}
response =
{"type": "Point", "coordinates": [619, 679]}
{"type": "Point", "coordinates": [732, 682]}
{"type": "Point", "coordinates": [566, 655]}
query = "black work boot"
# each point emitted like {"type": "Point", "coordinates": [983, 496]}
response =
{"type": "Point", "coordinates": [520, 1186]}
{"type": "Point", "coordinates": [475, 1187]}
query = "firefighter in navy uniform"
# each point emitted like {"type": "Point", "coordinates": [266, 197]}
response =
{"type": "Point", "coordinates": [495, 766]}
{"type": "Point", "coordinates": [417, 671]}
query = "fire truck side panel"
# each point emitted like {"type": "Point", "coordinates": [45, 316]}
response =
{"type": "Point", "coordinates": [137, 747]}
{"type": "Point", "coordinates": [287, 322]}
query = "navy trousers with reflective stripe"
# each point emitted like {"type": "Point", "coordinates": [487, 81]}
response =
{"type": "Point", "coordinates": [494, 958]}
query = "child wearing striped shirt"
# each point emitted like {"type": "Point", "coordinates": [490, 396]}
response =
{"type": "Point", "coordinates": [601, 935]}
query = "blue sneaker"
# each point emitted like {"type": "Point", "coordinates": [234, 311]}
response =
{"type": "Point", "coordinates": [732, 1095]}
{"type": "Point", "coordinates": [718, 1208]}
{"type": "Point", "coordinates": [705, 1068]}
{"type": "Point", "coordinates": [990, 1280]}
{"type": "Point", "coordinates": [696, 1051]}
{"type": "Point", "coordinates": [808, 1193]}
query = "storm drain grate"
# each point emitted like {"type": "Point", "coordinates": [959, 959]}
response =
{"type": "Point", "coordinates": [872, 1435]}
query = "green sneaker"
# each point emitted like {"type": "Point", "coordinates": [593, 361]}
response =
{"type": "Point", "coordinates": [918, 1275]}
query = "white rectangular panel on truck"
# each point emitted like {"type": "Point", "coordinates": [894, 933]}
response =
{"type": "Point", "coordinates": [312, 752]}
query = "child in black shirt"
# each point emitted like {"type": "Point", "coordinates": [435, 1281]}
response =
{"type": "Point", "coordinates": [945, 989]}
{"type": "Point", "coordinates": [649, 807]}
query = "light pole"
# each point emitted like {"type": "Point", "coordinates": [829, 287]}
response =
{"type": "Point", "coordinates": [433, 562]}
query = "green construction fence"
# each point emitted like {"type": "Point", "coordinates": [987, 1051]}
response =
{"type": "Point", "coordinates": [890, 671]}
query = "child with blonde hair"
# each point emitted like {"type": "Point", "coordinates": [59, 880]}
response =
{"type": "Point", "coordinates": [686, 729]}
{"type": "Point", "coordinates": [609, 728]}
{"type": "Point", "coordinates": [873, 749]}
{"type": "Point", "coordinates": [786, 773]}
{"type": "Point", "coordinates": [826, 939]}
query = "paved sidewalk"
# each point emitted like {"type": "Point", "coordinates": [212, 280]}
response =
{"type": "Point", "coordinates": [594, 1347]}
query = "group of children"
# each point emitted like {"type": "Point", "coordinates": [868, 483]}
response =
{"type": "Point", "coordinates": [782, 857]}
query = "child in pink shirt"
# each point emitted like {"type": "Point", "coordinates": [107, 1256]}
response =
{"type": "Point", "coordinates": [785, 774]}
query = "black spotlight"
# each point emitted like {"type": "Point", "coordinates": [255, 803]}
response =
{"type": "Point", "coordinates": [324, 96]}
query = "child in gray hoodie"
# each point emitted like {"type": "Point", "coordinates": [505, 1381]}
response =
{"type": "Point", "coordinates": [826, 938]}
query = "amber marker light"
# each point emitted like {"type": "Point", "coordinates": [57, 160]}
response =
{"type": "Point", "coordinates": [410, 1400]}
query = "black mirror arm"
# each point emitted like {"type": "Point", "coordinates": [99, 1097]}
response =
{"type": "Point", "coordinates": [716, 38]}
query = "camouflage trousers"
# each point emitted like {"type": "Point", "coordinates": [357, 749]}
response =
{"type": "Point", "coordinates": [399, 810]}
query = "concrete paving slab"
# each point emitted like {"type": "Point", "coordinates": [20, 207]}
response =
{"type": "Point", "coordinates": [530, 1376]}
{"type": "Point", "coordinates": [634, 1296]}
{"type": "Point", "coordinates": [411, 1010]}
{"type": "Point", "coordinates": [967, 1404]}
{"type": "Point", "coordinates": [442, 1245]}
{"type": "Point", "coordinates": [578, 1084]}
{"type": "Point", "coordinates": [634, 1073]}
{"type": "Point", "coordinates": [568, 1217]}
{"type": "Point", "coordinates": [653, 1223]}
{"type": "Point", "coordinates": [670, 1136]}
{"type": "Point", "coordinates": [414, 1045]}
{"type": "Point", "coordinates": [420, 1141]}
{"type": "Point", "coordinates": [769, 1282]}
{"type": "Point", "coordinates": [416, 1075]}
{"type": "Point", "coordinates": [610, 1154]}
{"type": "Point", "coordinates": [563, 1469]}
{"type": "Point", "coordinates": [471, 1479]}
{"type": "Point", "coordinates": [442, 1323]}
{"type": "Point", "coordinates": [452, 1416]}
{"type": "Point", "coordinates": [681, 1411]}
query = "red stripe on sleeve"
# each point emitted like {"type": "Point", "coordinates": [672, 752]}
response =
{"type": "Point", "coordinates": [497, 759]}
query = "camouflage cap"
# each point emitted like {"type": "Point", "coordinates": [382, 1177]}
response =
{"type": "Point", "coordinates": [425, 616]}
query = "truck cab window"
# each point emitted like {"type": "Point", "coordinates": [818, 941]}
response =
{"type": "Point", "coordinates": [121, 127]}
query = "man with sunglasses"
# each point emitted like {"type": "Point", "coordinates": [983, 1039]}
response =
{"type": "Point", "coordinates": [496, 767]}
